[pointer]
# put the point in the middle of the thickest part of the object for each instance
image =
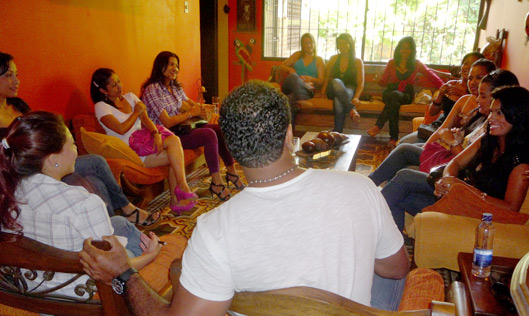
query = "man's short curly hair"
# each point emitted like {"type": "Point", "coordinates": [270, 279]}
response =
{"type": "Point", "coordinates": [254, 119]}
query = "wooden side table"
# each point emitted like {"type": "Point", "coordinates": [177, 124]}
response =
{"type": "Point", "coordinates": [481, 298]}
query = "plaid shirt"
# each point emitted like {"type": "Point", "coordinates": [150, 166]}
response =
{"type": "Point", "coordinates": [61, 216]}
{"type": "Point", "coordinates": [157, 98]}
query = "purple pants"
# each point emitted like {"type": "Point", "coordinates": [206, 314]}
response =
{"type": "Point", "coordinates": [210, 137]}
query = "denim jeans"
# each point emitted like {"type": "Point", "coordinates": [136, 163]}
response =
{"type": "Point", "coordinates": [412, 138]}
{"type": "Point", "coordinates": [95, 170]}
{"type": "Point", "coordinates": [295, 89]}
{"type": "Point", "coordinates": [122, 227]}
{"type": "Point", "coordinates": [341, 96]}
{"type": "Point", "coordinates": [408, 192]}
{"type": "Point", "coordinates": [399, 158]}
{"type": "Point", "coordinates": [386, 293]}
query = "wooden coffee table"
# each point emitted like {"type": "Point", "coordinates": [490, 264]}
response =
{"type": "Point", "coordinates": [481, 298]}
{"type": "Point", "coordinates": [343, 158]}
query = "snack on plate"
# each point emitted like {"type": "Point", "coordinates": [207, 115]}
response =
{"type": "Point", "coordinates": [323, 142]}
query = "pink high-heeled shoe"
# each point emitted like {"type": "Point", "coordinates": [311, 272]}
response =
{"type": "Point", "coordinates": [181, 195]}
{"type": "Point", "coordinates": [179, 209]}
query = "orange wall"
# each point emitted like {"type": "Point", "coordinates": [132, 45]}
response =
{"type": "Point", "coordinates": [510, 15]}
{"type": "Point", "coordinates": [57, 44]}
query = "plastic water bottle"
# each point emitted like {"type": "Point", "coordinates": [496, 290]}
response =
{"type": "Point", "coordinates": [483, 247]}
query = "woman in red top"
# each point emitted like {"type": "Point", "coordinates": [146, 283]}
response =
{"type": "Point", "coordinates": [399, 77]}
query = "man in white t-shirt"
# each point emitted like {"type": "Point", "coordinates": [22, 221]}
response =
{"type": "Point", "coordinates": [290, 227]}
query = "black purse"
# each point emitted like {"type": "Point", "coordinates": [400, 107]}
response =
{"type": "Point", "coordinates": [435, 174]}
{"type": "Point", "coordinates": [188, 125]}
{"type": "Point", "coordinates": [426, 130]}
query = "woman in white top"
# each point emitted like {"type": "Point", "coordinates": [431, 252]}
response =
{"type": "Point", "coordinates": [122, 115]}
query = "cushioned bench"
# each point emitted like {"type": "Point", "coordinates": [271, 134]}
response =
{"type": "Point", "coordinates": [316, 114]}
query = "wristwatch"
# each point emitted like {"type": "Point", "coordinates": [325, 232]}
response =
{"type": "Point", "coordinates": [118, 283]}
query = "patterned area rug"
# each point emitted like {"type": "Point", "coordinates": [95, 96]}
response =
{"type": "Point", "coordinates": [370, 154]}
{"type": "Point", "coordinates": [199, 181]}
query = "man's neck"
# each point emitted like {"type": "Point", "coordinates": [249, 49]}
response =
{"type": "Point", "coordinates": [280, 171]}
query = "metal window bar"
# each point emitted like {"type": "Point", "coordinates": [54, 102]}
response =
{"type": "Point", "coordinates": [291, 18]}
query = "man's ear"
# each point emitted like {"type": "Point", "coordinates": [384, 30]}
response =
{"type": "Point", "coordinates": [289, 138]}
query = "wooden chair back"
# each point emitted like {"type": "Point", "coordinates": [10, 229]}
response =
{"type": "Point", "coordinates": [19, 252]}
{"type": "Point", "coordinates": [309, 301]}
{"type": "Point", "coordinates": [520, 286]}
{"type": "Point", "coordinates": [314, 302]}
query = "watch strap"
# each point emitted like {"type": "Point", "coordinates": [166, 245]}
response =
{"type": "Point", "coordinates": [125, 276]}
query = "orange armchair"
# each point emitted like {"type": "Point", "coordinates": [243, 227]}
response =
{"type": "Point", "coordinates": [141, 184]}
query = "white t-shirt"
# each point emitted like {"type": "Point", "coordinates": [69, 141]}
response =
{"type": "Point", "coordinates": [103, 109]}
{"type": "Point", "coordinates": [322, 229]}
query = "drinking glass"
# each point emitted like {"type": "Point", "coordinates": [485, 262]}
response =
{"type": "Point", "coordinates": [215, 102]}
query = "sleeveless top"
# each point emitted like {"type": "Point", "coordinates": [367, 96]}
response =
{"type": "Point", "coordinates": [309, 70]}
{"type": "Point", "coordinates": [493, 179]}
{"type": "Point", "coordinates": [348, 76]}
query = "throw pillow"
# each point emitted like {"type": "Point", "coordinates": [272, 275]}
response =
{"type": "Point", "coordinates": [108, 146]}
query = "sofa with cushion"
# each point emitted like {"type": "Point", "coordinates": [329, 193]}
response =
{"type": "Point", "coordinates": [448, 227]}
{"type": "Point", "coordinates": [316, 114]}
{"type": "Point", "coordinates": [141, 184]}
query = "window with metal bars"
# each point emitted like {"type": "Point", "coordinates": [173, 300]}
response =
{"type": "Point", "coordinates": [444, 30]}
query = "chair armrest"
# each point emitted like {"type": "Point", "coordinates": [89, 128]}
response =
{"type": "Point", "coordinates": [462, 201]}
{"type": "Point", "coordinates": [422, 287]}
{"type": "Point", "coordinates": [440, 237]}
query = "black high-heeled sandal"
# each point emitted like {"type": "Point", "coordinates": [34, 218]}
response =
{"type": "Point", "coordinates": [219, 193]}
{"type": "Point", "coordinates": [230, 177]}
{"type": "Point", "coordinates": [148, 223]}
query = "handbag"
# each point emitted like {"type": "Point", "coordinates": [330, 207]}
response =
{"type": "Point", "coordinates": [188, 125]}
{"type": "Point", "coordinates": [142, 141]}
{"type": "Point", "coordinates": [435, 174]}
{"type": "Point", "coordinates": [426, 130]}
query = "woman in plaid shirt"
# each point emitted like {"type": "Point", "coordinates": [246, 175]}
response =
{"type": "Point", "coordinates": [168, 104]}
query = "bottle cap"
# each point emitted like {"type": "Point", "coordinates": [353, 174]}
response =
{"type": "Point", "coordinates": [487, 217]}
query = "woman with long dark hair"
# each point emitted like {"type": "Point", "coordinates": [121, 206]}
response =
{"type": "Point", "coordinates": [306, 72]}
{"type": "Point", "coordinates": [399, 77]}
{"type": "Point", "coordinates": [8, 89]}
{"type": "Point", "coordinates": [123, 114]}
{"type": "Point", "coordinates": [36, 152]}
{"type": "Point", "coordinates": [494, 166]}
{"type": "Point", "coordinates": [167, 104]}
{"type": "Point", "coordinates": [449, 93]}
{"type": "Point", "coordinates": [452, 139]}
{"type": "Point", "coordinates": [92, 171]}
{"type": "Point", "coordinates": [344, 81]}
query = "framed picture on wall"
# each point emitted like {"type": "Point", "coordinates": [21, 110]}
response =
{"type": "Point", "coordinates": [246, 15]}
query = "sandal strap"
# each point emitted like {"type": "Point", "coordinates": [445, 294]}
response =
{"type": "Point", "coordinates": [219, 194]}
{"type": "Point", "coordinates": [137, 212]}
{"type": "Point", "coordinates": [149, 220]}
{"type": "Point", "coordinates": [237, 178]}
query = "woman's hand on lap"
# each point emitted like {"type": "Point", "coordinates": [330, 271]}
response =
{"type": "Point", "coordinates": [443, 185]}
{"type": "Point", "coordinates": [150, 244]}
{"type": "Point", "coordinates": [158, 142]}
